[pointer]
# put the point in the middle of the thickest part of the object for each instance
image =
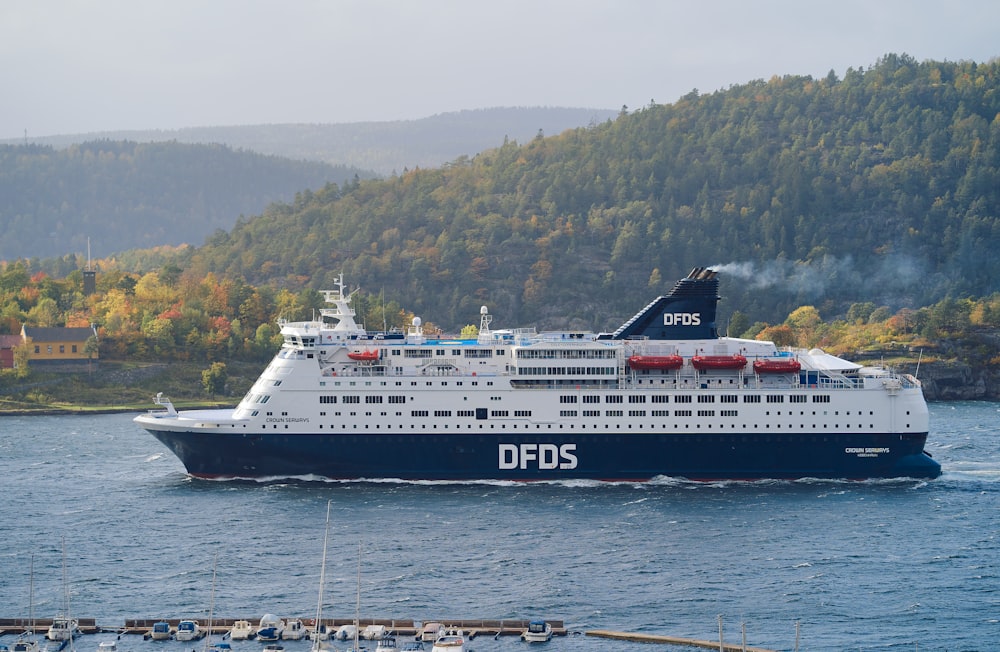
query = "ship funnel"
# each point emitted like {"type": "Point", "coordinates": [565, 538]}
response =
{"type": "Point", "coordinates": [687, 312]}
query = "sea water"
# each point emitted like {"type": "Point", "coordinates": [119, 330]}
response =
{"type": "Point", "coordinates": [114, 529]}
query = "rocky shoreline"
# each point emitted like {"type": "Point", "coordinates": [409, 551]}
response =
{"type": "Point", "coordinates": [958, 381]}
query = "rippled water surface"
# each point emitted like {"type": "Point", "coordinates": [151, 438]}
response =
{"type": "Point", "coordinates": [859, 566]}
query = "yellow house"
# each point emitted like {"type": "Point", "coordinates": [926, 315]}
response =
{"type": "Point", "coordinates": [59, 347]}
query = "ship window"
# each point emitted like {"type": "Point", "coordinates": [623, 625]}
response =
{"type": "Point", "coordinates": [418, 353]}
{"type": "Point", "coordinates": [478, 353]}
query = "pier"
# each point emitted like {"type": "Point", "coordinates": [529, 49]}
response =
{"type": "Point", "coordinates": [399, 627]}
{"type": "Point", "coordinates": [676, 640]}
{"type": "Point", "coordinates": [41, 625]}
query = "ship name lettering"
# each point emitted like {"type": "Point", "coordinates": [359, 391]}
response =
{"type": "Point", "coordinates": [866, 452]}
{"type": "Point", "coordinates": [542, 456]}
{"type": "Point", "coordinates": [682, 319]}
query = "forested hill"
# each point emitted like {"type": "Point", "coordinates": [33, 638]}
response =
{"type": "Point", "coordinates": [126, 195]}
{"type": "Point", "coordinates": [882, 186]}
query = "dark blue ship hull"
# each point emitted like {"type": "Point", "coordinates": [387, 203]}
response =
{"type": "Point", "coordinates": [609, 457]}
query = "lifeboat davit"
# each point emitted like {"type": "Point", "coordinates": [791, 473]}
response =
{"type": "Point", "coordinates": [363, 356]}
{"type": "Point", "coordinates": [776, 366]}
{"type": "Point", "coordinates": [707, 362]}
{"type": "Point", "coordinates": [656, 361]}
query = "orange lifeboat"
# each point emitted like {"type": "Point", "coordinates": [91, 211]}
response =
{"type": "Point", "coordinates": [776, 366]}
{"type": "Point", "coordinates": [709, 362]}
{"type": "Point", "coordinates": [656, 362]}
{"type": "Point", "coordinates": [364, 356]}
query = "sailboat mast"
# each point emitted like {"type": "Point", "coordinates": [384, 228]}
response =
{"type": "Point", "coordinates": [69, 619]}
{"type": "Point", "coordinates": [322, 580]}
{"type": "Point", "coordinates": [31, 594]}
{"type": "Point", "coordinates": [357, 611]}
{"type": "Point", "coordinates": [211, 606]}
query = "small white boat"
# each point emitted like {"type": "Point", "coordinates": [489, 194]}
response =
{"type": "Point", "coordinates": [453, 641]}
{"type": "Point", "coordinates": [321, 633]}
{"type": "Point", "coordinates": [160, 631]}
{"type": "Point", "coordinates": [107, 646]}
{"type": "Point", "coordinates": [431, 632]}
{"type": "Point", "coordinates": [25, 644]}
{"type": "Point", "coordinates": [295, 630]}
{"type": "Point", "coordinates": [188, 630]}
{"type": "Point", "coordinates": [63, 629]}
{"type": "Point", "coordinates": [346, 633]}
{"type": "Point", "coordinates": [373, 632]}
{"type": "Point", "coordinates": [387, 644]}
{"type": "Point", "coordinates": [241, 630]}
{"type": "Point", "coordinates": [538, 631]}
{"type": "Point", "coordinates": [269, 628]}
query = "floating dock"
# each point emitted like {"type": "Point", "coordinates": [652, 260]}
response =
{"type": "Point", "coordinates": [676, 640]}
{"type": "Point", "coordinates": [41, 625]}
{"type": "Point", "coordinates": [399, 627]}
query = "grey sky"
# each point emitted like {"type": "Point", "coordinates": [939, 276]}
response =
{"type": "Point", "coordinates": [80, 66]}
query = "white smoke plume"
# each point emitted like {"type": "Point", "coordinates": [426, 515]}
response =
{"type": "Point", "coordinates": [884, 279]}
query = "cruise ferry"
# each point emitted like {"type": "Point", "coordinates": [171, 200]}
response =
{"type": "Point", "coordinates": [662, 396]}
